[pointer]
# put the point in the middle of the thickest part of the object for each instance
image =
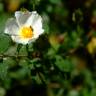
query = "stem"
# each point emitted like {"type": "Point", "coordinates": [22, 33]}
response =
{"type": "Point", "coordinates": [34, 5]}
{"type": "Point", "coordinates": [27, 48]}
{"type": "Point", "coordinates": [40, 75]}
{"type": "Point", "coordinates": [18, 48]}
{"type": "Point", "coordinates": [2, 55]}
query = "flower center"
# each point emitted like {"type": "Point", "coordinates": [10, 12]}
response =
{"type": "Point", "coordinates": [26, 32]}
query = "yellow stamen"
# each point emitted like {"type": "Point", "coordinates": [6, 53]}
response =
{"type": "Point", "coordinates": [26, 32]}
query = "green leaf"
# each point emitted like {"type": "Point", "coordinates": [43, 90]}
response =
{"type": "Point", "coordinates": [2, 91]}
{"type": "Point", "coordinates": [3, 70]}
{"type": "Point", "coordinates": [1, 7]}
{"type": "Point", "coordinates": [12, 50]}
{"type": "Point", "coordinates": [93, 92]}
{"type": "Point", "coordinates": [55, 1]}
{"type": "Point", "coordinates": [63, 64]}
{"type": "Point", "coordinates": [9, 61]}
{"type": "Point", "coordinates": [73, 93]}
{"type": "Point", "coordinates": [23, 62]}
{"type": "Point", "coordinates": [46, 22]}
{"type": "Point", "coordinates": [4, 43]}
{"type": "Point", "coordinates": [3, 19]}
{"type": "Point", "coordinates": [19, 47]}
{"type": "Point", "coordinates": [23, 51]}
{"type": "Point", "coordinates": [34, 62]}
{"type": "Point", "coordinates": [20, 74]}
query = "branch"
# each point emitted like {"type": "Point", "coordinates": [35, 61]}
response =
{"type": "Point", "coordinates": [6, 55]}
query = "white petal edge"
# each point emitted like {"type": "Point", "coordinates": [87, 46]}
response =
{"type": "Point", "coordinates": [11, 27]}
{"type": "Point", "coordinates": [22, 17]}
{"type": "Point", "coordinates": [19, 40]}
{"type": "Point", "coordinates": [33, 19]}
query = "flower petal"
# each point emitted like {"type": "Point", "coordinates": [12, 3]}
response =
{"type": "Point", "coordinates": [34, 18]}
{"type": "Point", "coordinates": [37, 27]}
{"type": "Point", "coordinates": [38, 32]}
{"type": "Point", "coordinates": [19, 40]}
{"type": "Point", "coordinates": [22, 17]}
{"type": "Point", "coordinates": [30, 19]}
{"type": "Point", "coordinates": [11, 27]}
{"type": "Point", "coordinates": [35, 21]}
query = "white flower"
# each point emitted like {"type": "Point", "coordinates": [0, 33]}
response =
{"type": "Point", "coordinates": [25, 28]}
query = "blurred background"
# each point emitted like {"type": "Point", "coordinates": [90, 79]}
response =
{"type": "Point", "coordinates": [62, 62]}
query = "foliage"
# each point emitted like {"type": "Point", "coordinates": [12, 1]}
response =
{"type": "Point", "coordinates": [61, 62]}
